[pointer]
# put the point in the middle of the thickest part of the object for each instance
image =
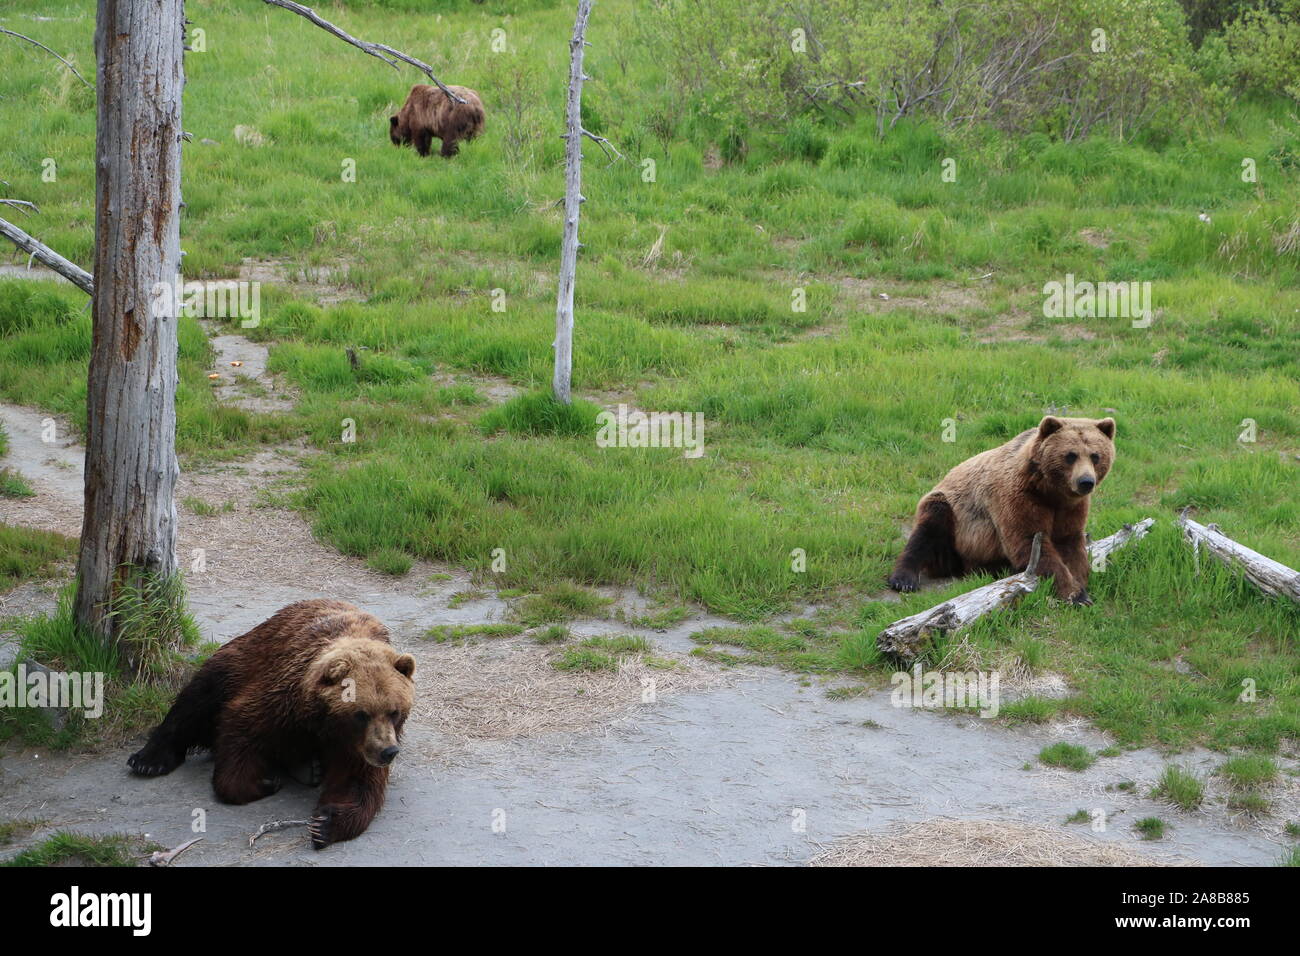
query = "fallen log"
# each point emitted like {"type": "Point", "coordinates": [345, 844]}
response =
{"type": "Point", "coordinates": [904, 637]}
{"type": "Point", "coordinates": [1272, 577]}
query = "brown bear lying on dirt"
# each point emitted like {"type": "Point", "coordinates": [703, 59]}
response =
{"type": "Point", "coordinates": [986, 511]}
{"type": "Point", "coordinates": [430, 114]}
{"type": "Point", "coordinates": [318, 682]}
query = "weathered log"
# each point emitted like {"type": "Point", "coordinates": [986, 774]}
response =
{"type": "Point", "coordinates": [47, 257]}
{"type": "Point", "coordinates": [1099, 552]}
{"type": "Point", "coordinates": [1272, 577]}
{"type": "Point", "coordinates": [905, 637]}
{"type": "Point", "coordinates": [573, 200]}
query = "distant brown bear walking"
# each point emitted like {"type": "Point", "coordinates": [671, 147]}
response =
{"type": "Point", "coordinates": [317, 682]}
{"type": "Point", "coordinates": [986, 511]}
{"type": "Point", "coordinates": [430, 114]}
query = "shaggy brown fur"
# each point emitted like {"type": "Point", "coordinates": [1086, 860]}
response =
{"type": "Point", "coordinates": [430, 114]}
{"type": "Point", "coordinates": [316, 684]}
{"type": "Point", "coordinates": [985, 512]}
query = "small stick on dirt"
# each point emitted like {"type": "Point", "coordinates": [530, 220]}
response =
{"type": "Point", "coordinates": [48, 257]}
{"type": "Point", "coordinates": [385, 53]}
{"type": "Point", "coordinates": [164, 857]}
{"type": "Point", "coordinates": [270, 825]}
{"type": "Point", "coordinates": [903, 638]}
{"type": "Point", "coordinates": [1271, 577]}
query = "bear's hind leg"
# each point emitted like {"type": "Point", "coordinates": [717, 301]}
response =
{"type": "Point", "coordinates": [190, 723]}
{"type": "Point", "coordinates": [932, 547]}
{"type": "Point", "coordinates": [449, 148]}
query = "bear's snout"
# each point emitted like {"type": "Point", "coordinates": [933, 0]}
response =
{"type": "Point", "coordinates": [387, 755]}
{"type": "Point", "coordinates": [1085, 484]}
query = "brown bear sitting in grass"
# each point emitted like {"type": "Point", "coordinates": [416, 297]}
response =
{"type": "Point", "coordinates": [318, 682]}
{"type": "Point", "coordinates": [430, 114]}
{"type": "Point", "coordinates": [986, 511]}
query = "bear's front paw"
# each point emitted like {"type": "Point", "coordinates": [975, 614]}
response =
{"type": "Point", "coordinates": [152, 763]}
{"type": "Point", "coordinates": [1081, 597]}
{"type": "Point", "coordinates": [905, 581]}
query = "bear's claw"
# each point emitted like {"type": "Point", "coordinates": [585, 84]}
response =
{"type": "Point", "coordinates": [1082, 597]}
{"type": "Point", "coordinates": [903, 582]}
{"type": "Point", "coordinates": [147, 765]}
{"type": "Point", "coordinates": [319, 828]}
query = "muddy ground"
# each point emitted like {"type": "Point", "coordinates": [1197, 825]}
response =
{"type": "Point", "coordinates": [509, 761]}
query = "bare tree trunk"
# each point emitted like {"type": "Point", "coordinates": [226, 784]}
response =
{"type": "Point", "coordinates": [573, 200]}
{"type": "Point", "coordinates": [128, 535]}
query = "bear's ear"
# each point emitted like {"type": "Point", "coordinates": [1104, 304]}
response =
{"type": "Point", "coordinates": [1107, 427]}
{"type": "Point", "coordinates": [338, 669]}
{"type": "Point", "coordinates": [1049, 425]}
{"type": "Point", "coordinates": [405, 665]}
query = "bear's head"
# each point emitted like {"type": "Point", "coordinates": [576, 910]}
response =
{"type": "Point", "coordinates": [397, 133]}
{"type": "Point", "coordinates": [366, 691]}
{"type": "Point", "coordinates": [1071, 456]}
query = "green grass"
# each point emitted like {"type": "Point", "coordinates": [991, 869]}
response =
{"type": "Point", "coordinates": [822, 427]}
{"type": "Point", "coordinates": [75, 849]}
{"type": "Point", "coordinates": [560, 603]}
{"type": "Point", "coordinates": [1180, 786]}
{"type": "Point", "coordinates": [443, 633]}
{"type": "Point", "coordinates": [1150, 828]}
{"type": "Point", "coordinates": [1067, 756]}
{"type": "Point", "coordinates": [1248, 771]}
{"type": "Point", "coordinates": [14, 485]}
{"type": "Point", "coordinates": [26, 553]}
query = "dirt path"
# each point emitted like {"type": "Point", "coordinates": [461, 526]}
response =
{"type": "Point", "coordinates": [510, 762]}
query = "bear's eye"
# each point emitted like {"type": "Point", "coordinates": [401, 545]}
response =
{"type": "Point", "coordinates": [1095, 458]}
{"type": "Point", "coordinates": [393, 716]}
{"type": "Point", "coordinates": [1071, 458]}
{"type": "Point", "coordinates": [361, 717]}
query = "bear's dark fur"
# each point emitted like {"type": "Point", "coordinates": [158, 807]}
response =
{"type": "Point", "coordinates": [986, 511]}
{"type": "Point", "coordinates": [430, 114]}
{"type": "Point", "coordinates": [316, 683]}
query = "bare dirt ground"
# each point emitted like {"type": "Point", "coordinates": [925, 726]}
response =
{"type": "Point", "coordinates": [511, 761]}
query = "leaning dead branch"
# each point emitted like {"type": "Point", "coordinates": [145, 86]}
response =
{"type": "Point", "coordinates": [904, 638]}
{"type": "Point", "coordinates": [1271, 577]}
{"type": "Point", "coordinates": [48, 257]}
{"type": "Point", "coordinates": [50, 52]}
{"type": "Point", "coordinates": [380, 50]}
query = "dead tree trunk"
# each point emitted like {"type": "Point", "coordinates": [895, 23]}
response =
{"type": "Point", "coordinates": [128, 535]}
{"type": "Point", "coordinates": [573, 200]}
{"type": "Point", "coordinates": [1272, 577]}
